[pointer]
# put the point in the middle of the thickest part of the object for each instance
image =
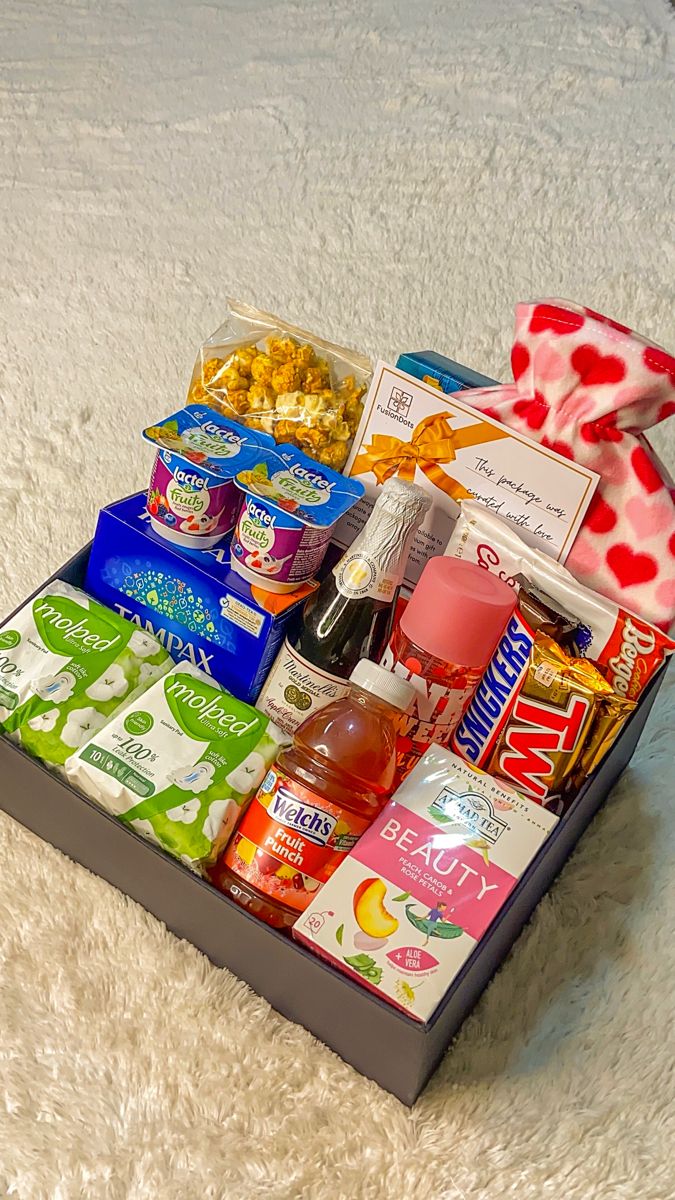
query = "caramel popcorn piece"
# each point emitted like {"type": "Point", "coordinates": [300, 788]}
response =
{"type": "Point", "coordinates": [282, 348]}
{"type": "Point", "coordinates": [230, 404]}
{"type": "Point", "coordinates": [350, 390]}
{"type": "Point", "coordinates": [285, 431]}
{"type": "Point", "coordinates": [198, 393]}
{"type": "Point", "coordinates": [316, 378]}
{"type": "Point", "coordinates": [304, 357]}
{"type": "Point", "coordinates": [317, 404]}
{"type": "Point", "coordinates": [211, 369]}
{"type": "Point", "coordinates": [261, 399]}
{"type": "Point", "coordinates": [229, 380]}
{"type": "Point", "coordinates": [261, 369]}
{"type": "Point", "coordinates": [312, 437]}
{"type": "Point", "coordinates": [290, 405]}
{"type": "Point", "coordinates": [237, 401]}
{"type": "Point", "coordinates": [353, 411]}
{"type": "Point", "coordinates": [342, 431]}
{"type": "Point", "coordinates": [334, 455]}
{"type": "Point", "coordinates": [286, 378]}
{"type": "Point", "coordinates": [242, 359]}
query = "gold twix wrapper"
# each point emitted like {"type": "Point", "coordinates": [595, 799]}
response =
{"type": "Point", "coordinates": [538, 731]}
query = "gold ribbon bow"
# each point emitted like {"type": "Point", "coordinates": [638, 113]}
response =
{"type": "Point", "coordinates": [433, 442]}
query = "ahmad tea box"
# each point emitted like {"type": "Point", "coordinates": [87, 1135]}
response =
{"type": "Point", "coordinates": [408, 906]}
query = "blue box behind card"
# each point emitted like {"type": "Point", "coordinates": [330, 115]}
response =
{"type": "Point", "coordinates": [200, 609]}
{"type": "Point", "coordinates": [450, 376]}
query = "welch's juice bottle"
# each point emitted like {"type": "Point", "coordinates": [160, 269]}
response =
{"type": "Point", "coordinates": [350, 615]}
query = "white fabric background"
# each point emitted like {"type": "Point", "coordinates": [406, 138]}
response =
{"type": "Point", "coordinates": [394, 173]}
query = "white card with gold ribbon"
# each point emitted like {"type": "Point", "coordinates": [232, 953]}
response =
{"type": "Point", "coordinates": [412, 430]}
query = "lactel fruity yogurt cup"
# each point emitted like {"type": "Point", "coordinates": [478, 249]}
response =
{"type": "Point", "coordinates": [291, 504]}
{"type": "Point", "coordinates": [192, 498]}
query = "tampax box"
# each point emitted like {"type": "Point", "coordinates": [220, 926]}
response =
{"type": "Point", "coordinates": [201, 610]}
{"type": "Point", "coordinates": [412, 901]}
{"type": "Point", "coordinates": [448, 375]}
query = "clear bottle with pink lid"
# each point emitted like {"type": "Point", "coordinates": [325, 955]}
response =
{"type": "Point", "coordinates": [444, 640]}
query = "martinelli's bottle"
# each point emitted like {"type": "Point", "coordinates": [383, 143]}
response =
{"type": "Point", "coordinates": [349, 617]}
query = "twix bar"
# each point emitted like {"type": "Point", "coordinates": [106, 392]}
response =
{"type": "Point", "coordinates": [534, 709]}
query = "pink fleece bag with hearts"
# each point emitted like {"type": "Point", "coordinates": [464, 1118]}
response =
{"type": "Point", "coordinates": [588, 388]}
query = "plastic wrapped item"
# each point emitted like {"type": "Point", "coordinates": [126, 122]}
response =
{"type": "Point", "coordinates": [67, 664]}
{"type": "Point", "coordinates": [272, 377]}
{"type": "Point", "coordinates": [180, 765]}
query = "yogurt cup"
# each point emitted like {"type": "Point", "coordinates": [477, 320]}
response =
{"type": "Point", "coordinates": [291, 505]}
{"type": "Point", "coordinates": [192, 498]}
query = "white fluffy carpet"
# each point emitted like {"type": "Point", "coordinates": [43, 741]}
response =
{"type": "Point", "coordinates": [395, 173]}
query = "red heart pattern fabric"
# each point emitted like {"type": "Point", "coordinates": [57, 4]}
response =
{"type": "Point", "coordinates": [588, 387]}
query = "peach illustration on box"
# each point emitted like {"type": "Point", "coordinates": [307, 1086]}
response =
{"type": "Point", "coordinates": [371, 915]}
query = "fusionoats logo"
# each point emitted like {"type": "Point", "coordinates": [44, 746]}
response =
{"type": "Point", "coordinates": [399, 402]}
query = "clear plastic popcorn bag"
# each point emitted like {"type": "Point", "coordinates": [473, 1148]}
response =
{"type": "Point", "coordinates": [283, 381]}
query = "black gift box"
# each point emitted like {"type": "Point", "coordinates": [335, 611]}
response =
{"type": "Point", "coordinates": [382, 1043]}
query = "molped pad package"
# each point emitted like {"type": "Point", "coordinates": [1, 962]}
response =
{"type": "Point", "coordinates": [180, 764]}
{"type": "Point", "coordinates": [66, 665]}
{"type": "Point", "coordinates": [192, 499]}
{"type": "Point", "coordinates": [410, 903]}
{"type": "Point", "coordinates": [290, 509]}
{"type": "Point", "coordinates": [202, 611]}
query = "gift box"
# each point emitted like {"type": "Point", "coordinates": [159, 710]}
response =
{"type": "Point", "coordinates": [382, 1043]}
{"type": "Point", "coordinates": [199, 609]}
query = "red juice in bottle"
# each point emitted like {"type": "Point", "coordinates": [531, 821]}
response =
{"type": "Point", "coordinates": [443, 641]}
{"type": "Point", "coordinates": [317, 799]}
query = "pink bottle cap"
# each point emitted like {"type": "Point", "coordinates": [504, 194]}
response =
{"type": "Point", "coordinates": [458, 612]}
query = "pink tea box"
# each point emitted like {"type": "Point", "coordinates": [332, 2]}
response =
{"type": "Point", "coordinates": [408, 906]}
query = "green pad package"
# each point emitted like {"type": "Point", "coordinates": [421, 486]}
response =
{"type": "Point", "coordinates": [66, 665]}
{"type": "Point", "coordinates": [180, 764]}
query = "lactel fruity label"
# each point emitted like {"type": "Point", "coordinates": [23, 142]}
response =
{"type": "Point", "coordinates": [192, 499]}
{"type": "Point", "coordinates": [291, 506]}
{"type": "Point", "coordinates": [425, 882]}
{"type": "Point", "coordinates": [274, 546]}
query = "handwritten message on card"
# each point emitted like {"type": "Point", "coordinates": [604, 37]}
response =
{"type": "Point", "coordinates": [414, 431]}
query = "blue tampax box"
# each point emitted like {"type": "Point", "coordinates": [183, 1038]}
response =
{"type": "Point", "coordinates": [201, 610]}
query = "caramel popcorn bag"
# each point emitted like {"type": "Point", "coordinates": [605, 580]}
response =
{"type": "Point", "coordinates": [286, 382]}
{"type": "Point", "coordinates": [588, 388]}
